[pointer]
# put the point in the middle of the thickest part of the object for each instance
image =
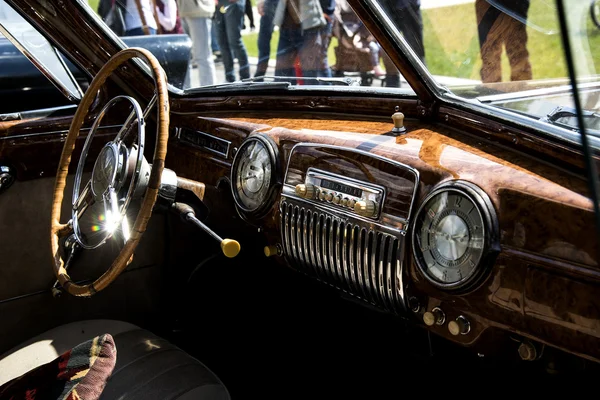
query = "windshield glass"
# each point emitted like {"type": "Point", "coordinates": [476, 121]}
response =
{"type": "Point", "coordinates": [504, 53]}
{"type": "Point", "coordinates": [508, 53]}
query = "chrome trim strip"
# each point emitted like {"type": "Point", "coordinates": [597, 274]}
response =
{"type": "Point", "coordinates": [331, 241]}
{"type": "Point", "coordinates": [318, 251]}
{"type": "Point", "coordinates": [373, 265]}
{"type": "Point", "coordinates": [337, 244]}
{"type": "Point", "coordinates": [293, 231]}
{"type": "Point", "coordinates": [285, 218]}
{"type": "Point", "coordinates": [389, 292]}
{"type": "Point", "coordinates": [399, 281]}
{"type": "Point", "coordinates": [380, 268]}
{"type": "Point", "coordinates": [344, 260]}
{"type": "Point", "coordinates": [299, 238]}
{"type": "Point", "coordinates": [227, 143]}
{"type": "Point", "coordinates": [41, 67]}
{"type": "Point", "coordinates": [360, 265]}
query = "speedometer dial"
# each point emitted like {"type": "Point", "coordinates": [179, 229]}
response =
{"type": "Point", "coordinates": [454, 232]}
{"type": "Point", "coordinates": [254, 173]}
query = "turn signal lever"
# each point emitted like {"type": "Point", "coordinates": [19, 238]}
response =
{"type": "Point", "coordinates": [230, 247]}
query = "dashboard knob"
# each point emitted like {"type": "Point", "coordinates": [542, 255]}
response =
{"type": "Point", "coordinates": [460, 326]}
{"type": "Point", "coordinates": [328, 196]}
{"type": "Point", "coordinates": [272, 250]}
{"type": "Point", "coordinates": [305, 190]}
{"type": "Point", "coordinates": [366, 208]}
{"type": "Point", "coordinates": [435, 316]}
{"type": "Point", "coordinates": [337, 199]}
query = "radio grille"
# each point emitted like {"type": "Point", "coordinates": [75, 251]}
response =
{"type": "Point", "coordinates": [351, 256]}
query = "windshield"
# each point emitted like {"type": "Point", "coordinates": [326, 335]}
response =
{"type": "Point", "coordinates": [504, 53]}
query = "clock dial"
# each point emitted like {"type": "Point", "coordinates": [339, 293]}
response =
{"type": "Point", "coordinates": [449, 237]}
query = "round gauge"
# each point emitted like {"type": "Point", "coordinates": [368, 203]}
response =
{"type": "Point", "coordinates": [253, 174]}
{"type": "Point", "coordinates": [454, 233]}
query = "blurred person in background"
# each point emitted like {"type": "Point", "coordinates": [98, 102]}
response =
{"type": "Point", "coordinates": [168, 17]}
{"type": "Point", "coordinates": [140, 18]}
{"type": "Point", "coordinates": [229, 20]}
{"type": "Point", "coordinates": [266, 10]}
{"type": "Point", "coordinates": [502, 24]}
{"type": "Point", "coordinates": [198, 17]}
{"type": "Point", "coordinates": [406, 16]}
{"type": "Point", "coordinates": [305, 28]}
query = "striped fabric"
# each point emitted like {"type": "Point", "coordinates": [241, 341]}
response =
{"type": "Point", "coordinates": [78, 374]}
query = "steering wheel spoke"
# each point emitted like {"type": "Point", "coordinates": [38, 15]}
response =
{"type": "Point", "coordinates": [85, 200]}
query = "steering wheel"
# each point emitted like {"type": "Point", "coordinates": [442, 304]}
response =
{"type": "Point", "coordinates": [120, 174]}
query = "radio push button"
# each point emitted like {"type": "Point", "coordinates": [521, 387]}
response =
{"type": "Point", "coordinates": [366, 208]}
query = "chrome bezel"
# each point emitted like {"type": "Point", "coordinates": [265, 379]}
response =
{"type": "Point", "coordinates": [491, 234]}
{"type": "Point", "coordinates": [274, 183]}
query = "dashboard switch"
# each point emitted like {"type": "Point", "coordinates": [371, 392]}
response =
{"type": "Point", "coordinates": [434, 317]}
{"type": "Point", "coordinates": [460, 326]}
{"type": "Point", "coordinates": [272, 250]}
{"type": "Point", "coordinates": [306, 191]}
{"type": "Point", "coordinates": [337, 199]}
{"type": "Point", "coordinates": [366, 208]}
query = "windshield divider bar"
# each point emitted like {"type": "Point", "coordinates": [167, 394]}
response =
{"type": "Point", "coordinates": [589, 161]}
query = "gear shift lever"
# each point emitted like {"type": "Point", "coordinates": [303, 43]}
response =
{"type": "Point", "coordinates": [230, 247]}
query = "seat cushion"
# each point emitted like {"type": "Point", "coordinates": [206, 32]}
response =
{"type": "Point", "coordinates": [147, 367]}
{"type": "Point", "coordinates": [78, 373]}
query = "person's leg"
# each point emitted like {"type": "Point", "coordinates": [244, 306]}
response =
{"type": "Point", "coordinates": [213, 38]}
{"type": "Point", "coordinates": [392, 75]}
{"type": "Point", "coordinates": [490, 41]}
{"type": "Point", "coordinates": [313, 52]}
{"type": "Point", "coordinates": [221, 31]}
{"type": "Point", "coordinates": [200, 33]}
{"type": "Point", "coordinates": [412, 30]}
{"type": "Point", "coordinates": [265, 32]}
{"type": "Point", "coordinates": [289, 39]}
{"type": "Point", "coordinates": [234, 20]}
{"type": "Point", "coordinates": [515, 42]}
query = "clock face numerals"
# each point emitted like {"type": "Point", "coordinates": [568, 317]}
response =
{"type": "Point", "coordinates": [449, 238]}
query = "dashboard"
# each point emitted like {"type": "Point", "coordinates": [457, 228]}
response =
{"type": "Point", "coordinates": [465, 239]}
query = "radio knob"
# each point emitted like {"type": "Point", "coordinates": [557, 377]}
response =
{"type": "Point", "coordinates": [305, 190]}
{"type": "Point", "coordinates": [329, 196]}
{"type": "Point", "coordinates": [337, 199]}
{"type": "Point", "coordinates": [366, 208]}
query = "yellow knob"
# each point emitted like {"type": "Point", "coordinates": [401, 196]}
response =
{"type": "Point", "coordinates": [230, 247]}
{"type": "Point", "coordinates": [271, 250]}
{"type": "Point", "coordinates": [307, 191]}
{"type": "Point", "coordinates": [366, 208]}
{"type": "Point", "coordinates": [337, 199]}
{"type": "Point", "coordinates": [429, 318]}
{"type": "Point", "coordinates": [329, 196]}
{"type": "Point", "coordinates": [460, 326]}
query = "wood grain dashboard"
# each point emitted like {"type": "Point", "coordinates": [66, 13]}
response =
{"type": "Point", "coordinates": [544, 281]}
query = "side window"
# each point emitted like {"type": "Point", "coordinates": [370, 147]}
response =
{"type": "Point", "coordinates": [33, 74]}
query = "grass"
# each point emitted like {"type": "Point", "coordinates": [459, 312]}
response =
{"type": "Point", "coordinates": [452, 45]}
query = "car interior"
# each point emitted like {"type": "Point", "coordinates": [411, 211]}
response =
{"type": "Point", "coordinates": [268, 242]}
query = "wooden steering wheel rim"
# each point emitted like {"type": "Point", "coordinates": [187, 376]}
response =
{"type": "Point", "coordinates": [57, 229]}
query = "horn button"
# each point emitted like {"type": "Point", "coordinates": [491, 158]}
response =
{"type": "Point", "coordinates": [104, 175]}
